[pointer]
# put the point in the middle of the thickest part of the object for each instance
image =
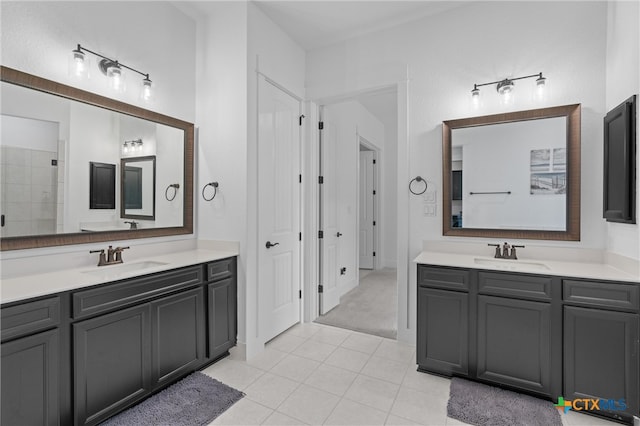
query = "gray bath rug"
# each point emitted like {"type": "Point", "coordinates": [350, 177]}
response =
{"type": "Point", "coordinates": [195, 400]}
{"type": "Point", "coordinates": [481, 405]}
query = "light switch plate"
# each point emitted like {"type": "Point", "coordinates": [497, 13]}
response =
{"type": "Point", "coordinates": [429, 209]}
{"type": "Point", "coordinates": [430, 197]}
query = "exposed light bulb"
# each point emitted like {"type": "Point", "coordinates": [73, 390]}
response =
{"type": "Point", "coordinates": [125, 148]}
{"type": "Point", "coordinates": [78, 64]}
{"type": "Point", "coordinates": [475, 96]}
{"type": "Point", "coordinates": [116, 79]}
{"type": "Point", "coordinates": [541, 85]}
{"type": "Point", "coordinates": [147, 92]}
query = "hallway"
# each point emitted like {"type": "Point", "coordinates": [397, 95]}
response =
{"type": "Point", "coordinates": [370, 308]}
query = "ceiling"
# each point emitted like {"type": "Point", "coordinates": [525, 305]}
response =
{"type": "Point", "coordinates": [317, 23]}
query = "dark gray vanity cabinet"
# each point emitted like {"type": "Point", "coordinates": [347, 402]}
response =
{"type": "Point", "coordinates": [31, 363]}
{"type": "Point", "coordinates": [515, 337]}
{"type": "Point", "coordinates": [443, 321]}
{"type": "Point", "coordinates": [222, 307]}
{"type": "Point", "coordinates": [178, 337]}
{"type": "Point", "coordinates": [601, 335]}
{"type": "Point", "coordinates": [112, 360]}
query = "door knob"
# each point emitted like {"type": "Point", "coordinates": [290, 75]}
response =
{"type": "Point", "coordinates": [339, 235]}
{"type": "Point", "coordinates": [269, 245]}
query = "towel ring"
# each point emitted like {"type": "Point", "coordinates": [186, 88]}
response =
{"type": "Point", "coordinates": [175, 187]}
{"type": "Point", "coordinates": [215, 190]}
{"type": "Point", "coordinates": [418, 179]}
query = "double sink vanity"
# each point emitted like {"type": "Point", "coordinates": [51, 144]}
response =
{"type": "Point", "coordinates": [549, 328]}
{"type": "Point", "coordinates": [81, 345]}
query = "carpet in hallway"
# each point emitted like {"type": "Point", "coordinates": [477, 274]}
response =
{"type": "Point", "coordinates": [370, 308]}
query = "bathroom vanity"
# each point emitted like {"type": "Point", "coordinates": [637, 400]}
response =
{"type": "Point", "coordinates": [105, 338]}
{"type": "Point", "coordinates": [544, 331]}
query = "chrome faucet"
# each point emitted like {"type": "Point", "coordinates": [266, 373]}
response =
{"type": "Point", "coordinates": [112, 257]}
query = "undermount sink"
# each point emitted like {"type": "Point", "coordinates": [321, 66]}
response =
{"type": "Point", "coordinates": [511, 265]}
{"type": "Point", "coordinates": [114, 271]}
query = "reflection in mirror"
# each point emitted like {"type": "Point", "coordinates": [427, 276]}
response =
{"type": "Point", "coordinates": [52, 132]}
{"type": "Point", "coordinates": [513, 175]}
{"type": "Point", "coordinates": [138, 188]}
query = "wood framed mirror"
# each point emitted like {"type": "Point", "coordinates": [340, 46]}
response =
{"type": "Point", "coordinates": [515, 175]}
{"type": "Point", "coordinates": [85, 127]}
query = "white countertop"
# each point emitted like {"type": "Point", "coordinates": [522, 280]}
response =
{"type": "Point", "coordinates": [29, 286]}
{"type": "Point", "coordinates": [600, 271]}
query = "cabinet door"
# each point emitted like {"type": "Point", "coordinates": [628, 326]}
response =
{"type": "Point", "coordinates": [112, 358]}
{"type": "Point", "coordinates": [601, 356]}
{"type": "Point", "coordinates": [30, 380]}
{"type": "Point", "coordinates": [222, 316]}
{"type": "Point", "coordinates": [443, 331]}
{"type": "Point", "coordinates": [514, 343]}
{"type": "Point", "coordinates": [178, 334]}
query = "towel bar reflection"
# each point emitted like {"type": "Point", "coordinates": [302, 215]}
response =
{"type": "Point", "coordinates": [215, 190]}
{"type": "Point", "coordinates": [175, 187]}
{"type": "Point", "coordinates": [493, 192]}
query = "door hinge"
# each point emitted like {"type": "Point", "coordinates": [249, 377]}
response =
{"type": "Point", "coordinates": [374, 161]}
{"type": "Point", "coordinates": [321, 125]}
{"type": "Point", "coordinates": [374, 223]}
{"type": "Point", "coordinates": [299, 236]}
{"type": "Point", "coordinates": [299, 294]}
{"type": "Point", "coordinates": [301, 117]}
{"type": "Point", "coordinates": [320, 288]}
{"type": "Point", "coordinates": [320, 234]}
{"type": "Point", "coordinates": [374, 192]}
{"type": "Point", "coordinates": [320, 180]}
{"type": "Point", "coordinates": [299, 178]}
{"type": "Point", "coordinates": [374, 253]}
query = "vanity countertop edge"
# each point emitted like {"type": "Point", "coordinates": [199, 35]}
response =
{"type": "Point", "coordinates": [32, 286]}
{"type": "Point", "coordinates": [598, 271]}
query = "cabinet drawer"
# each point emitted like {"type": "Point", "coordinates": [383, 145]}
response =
{"type": "Point", "coordinates": [447, 278]}
{"type": "Point", "coordinates": [592, 293]}
{"type": "Point", "coordinates": [29, 317]}
{"type": "Point", "coordinates": [124, 293]}
{"type": "Point", "coordinates": [221, 269]}
{"type": "Point", "coordinates": [515, 285]}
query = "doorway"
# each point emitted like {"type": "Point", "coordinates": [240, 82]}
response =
{"type": "Point", "coordinates": [353, 145]}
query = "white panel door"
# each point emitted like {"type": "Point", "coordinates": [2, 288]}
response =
{"type": "Point", "coordinates": [366, 234]}
{"type": "Point", "coordinates": [330, 297]}
{"type": "Point", "coordinates": [279, 210]}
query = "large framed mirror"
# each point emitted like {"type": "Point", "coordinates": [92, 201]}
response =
{"type": "Point", "coordinates": [52, 134]}
{"type": "Point", "coordinates": [513, 175]}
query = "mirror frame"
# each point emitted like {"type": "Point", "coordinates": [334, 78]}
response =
{"type": "Point", "coordinates": [572, 231]}
{"type": "Point", "coordinates": [10, 75]}
{"type": "Point", "coordinates": [123, 162]}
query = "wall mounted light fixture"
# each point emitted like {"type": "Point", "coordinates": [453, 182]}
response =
{"type": "Point", "coordinates": [505, 87]}
{"type": "Point", "coordinates": [109, 67]}
{"type": "Point", "coordinates": [132, 147]}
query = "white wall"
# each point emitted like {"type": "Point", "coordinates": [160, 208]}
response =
{"type": "Point", "coordinates": [389, 183]}
{"type": "Point", "coordinates": [37, 38]}
{"type": "Point", "coordinates": [235, 39]}
{"type": "Point", "coordinates": [221, 121]}
{"type": "Point", "coordinates": [622, 81]}
{"type": "Point", "coordinates": [484, 41]}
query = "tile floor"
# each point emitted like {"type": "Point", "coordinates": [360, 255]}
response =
{"type": "Point", "coordinates": [316, 374]}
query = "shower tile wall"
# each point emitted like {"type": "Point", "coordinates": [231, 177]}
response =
{"type": "Point", "coordinates": [28, 184]}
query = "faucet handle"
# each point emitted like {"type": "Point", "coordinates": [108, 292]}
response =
{"type": "Point", "coordinates": [118, 253]}
{"type": "Point", "coordinates": [497, 255]}
{"type": "Point", "coordinates": [102, 260]}
{"type": "Point", "coordinates": [513, 252]}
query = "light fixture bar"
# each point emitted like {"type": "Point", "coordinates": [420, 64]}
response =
{"type": "Point", "coordinates": [539, 75]}
{"type": "Point", "coordinates": [82, 49]}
